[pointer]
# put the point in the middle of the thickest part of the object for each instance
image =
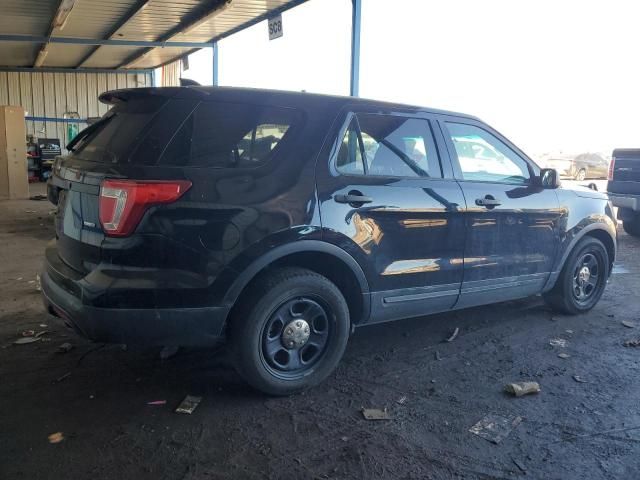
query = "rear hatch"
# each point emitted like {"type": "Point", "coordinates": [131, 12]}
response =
{"type": "Point", "coordinates": [125, 143]}
{"type": "Point", "coordinates": [624, 175]}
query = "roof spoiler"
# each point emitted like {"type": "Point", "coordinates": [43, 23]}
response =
{"type": "Point", "coordinates": [114, 97]}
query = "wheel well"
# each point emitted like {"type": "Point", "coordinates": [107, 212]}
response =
{"type": "Point", "coordinates": [326, 265]}
{"type": "Point", "coordinates": [608, 243]}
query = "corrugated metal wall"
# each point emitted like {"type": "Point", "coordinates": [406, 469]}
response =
{"type": "Point", "coordinates": [54, 94]}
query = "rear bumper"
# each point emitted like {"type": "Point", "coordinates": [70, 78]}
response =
{"type": "Point", "coordinates": [631, 202]}
{"type": "Point", "coordinates": [199, 326]}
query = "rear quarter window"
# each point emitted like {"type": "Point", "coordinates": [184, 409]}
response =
{"type": "Point", "coordinates": [231, 135]}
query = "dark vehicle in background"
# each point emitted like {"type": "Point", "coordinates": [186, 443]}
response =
{"type": "Point", "coordinates": [624, 188]}
{"type": "Point", "coordinates": [281, 221]}
{"type": "Point", "coordinates": [580, 167]}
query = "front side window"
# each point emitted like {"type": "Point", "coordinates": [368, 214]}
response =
{"type": "Point", "coordinates": [483, 157]}
{"type": "Point", "coordinates": [389, 146]}
{"type": "Point", "coordinates": [230, 135]}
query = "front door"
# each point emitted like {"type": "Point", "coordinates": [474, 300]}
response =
{"type": "Point", "coordinates": [385, 199]}
{"type": "Point", "coordinates": [512, 222]}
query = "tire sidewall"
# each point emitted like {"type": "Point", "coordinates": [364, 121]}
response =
{"type": "Point", "coordinates": [249, 337]}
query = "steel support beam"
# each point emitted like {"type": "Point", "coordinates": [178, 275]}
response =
{"type": "Point", "coordinates": [356, 13]}
{"type": "Point", "coordinates": [133, 11]}
{"type": "Point", "coordinates": [96, 41]}
{"type": "Point", "coordinates": [58, 21]}
{"type": "Point", "coordinates": [73, 70]}
{"type": "Point", "coordinates": [214, 52]}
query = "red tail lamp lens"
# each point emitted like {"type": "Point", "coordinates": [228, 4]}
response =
{"type": "Point", "coordinates": [124, 202]}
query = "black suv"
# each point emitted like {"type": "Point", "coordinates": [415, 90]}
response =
{"type": "Point", "coordinates": [280, 221]}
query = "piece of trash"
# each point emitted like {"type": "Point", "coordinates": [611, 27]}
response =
{"type": "Point", "coordinates": [437, 355]}
{"type": "Point", "coordinates": [30, 211]}
{"type": "Point", "coordinates": [569, 331]}
{"type": "Point", "coordinates": [632, 343]}
{"type": "Point", "coordinates": [344, 439]}
{"type": "Point", "coordinates": [628, 324]}
{"type": "Point", "coordinates": [56, 437]}
{"type": "Point", "coordinates": [38, 284]}
{"type": "Point", "coordinates": [402, 400]}
{"type": "Point", "coordinates": [375, 414]}
{"type": "Point", "coordinates": [59, 379]}
{"type": "Point", "coordinates": [157, 402]}
{"type": "Point", "coordinates": [189, 404]}
{"type": "Point", "coordinates": [28, 333]}
{"type": "Point", "coordinates": [19, 279]}
{"type": "Point", "coordinates": [558, 342]}
{"type": "Point", "coordinates": [39, 334]}
{"type": "Point", "coordinates": [453, 335]}
{"type": "Point", "coordinates": [31, 281]}
{"type": "Point", "coordinates": [26, 340]}
{"type": "Point", "coordinates": [522, 388]}
{"type": "Point", "coordinates": [168, 352]}
{"type": "Point", "coordinates": [65, 347]}
{"type": "Point", "coordinates": [495, 428]}
{"type": "Point", "coordinates": [38, 197]}
{"type": "Point", "coordinates": [564, 355]}
{"type": "Point", "coordinates": [43, 325]}
{"type": "Point", "coordinates": [579, 379]}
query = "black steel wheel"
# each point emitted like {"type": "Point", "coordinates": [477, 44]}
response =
{"type": "Point", "coordinates": [290, 331]}
{"type": "Point", "coordinates": [583, 278]}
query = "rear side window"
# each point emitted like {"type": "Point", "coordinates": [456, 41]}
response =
{"type": "Point", "coordinates": [231, 135]}
{"type": "Point", "coordinates": [389, 146]}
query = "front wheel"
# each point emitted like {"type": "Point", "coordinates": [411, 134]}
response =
{"type": "Point", "coordinates": [581, 175]}
{"type": "Point", "coordinates": [290, 332]}
{"type": "Point", "coordinates": [583, 278]}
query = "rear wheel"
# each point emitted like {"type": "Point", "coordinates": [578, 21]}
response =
{"type": "Point", "coordinates": [632, 227]}
{"type": "Point", "coordinates": [581, 175]}
{"type": "Point", "coordinates": [582, 279]}
{"type": "Point", "coordinates": [290, 332]}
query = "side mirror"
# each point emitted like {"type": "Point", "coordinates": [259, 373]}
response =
{"type": "Point", "coordinates": [549, 178]}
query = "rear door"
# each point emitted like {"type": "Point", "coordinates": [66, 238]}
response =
{"type": "Point", "coordinates": [386, 198]}
{"type": "Point", "coordinates": [512, 224]}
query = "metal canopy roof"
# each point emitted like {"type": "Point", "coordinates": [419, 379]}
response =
{"type": "Point", "coordinates": [120, 34]}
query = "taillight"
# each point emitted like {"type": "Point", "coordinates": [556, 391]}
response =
{"type": "Point", "coordinates": [123, 202]}
{"type": "Point", "coordinates": [611, 168]}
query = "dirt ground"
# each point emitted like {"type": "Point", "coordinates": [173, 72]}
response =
{"type": "Point", "coordinates": [97, 395]}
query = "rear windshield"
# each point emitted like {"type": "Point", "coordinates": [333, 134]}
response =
{"type": "Point", "coordinates": [231, 135]}
{"type": "Point", "coordinates": [110, 140]}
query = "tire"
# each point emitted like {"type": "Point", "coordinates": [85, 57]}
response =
{"type": "Point", "coordinates": [267, 333]}
{"type": "Point", "coordinates": [565, 294]}
{"type": "Point", "coordinates": [581, 175]}
{"type": "Point", "coordinates": [632, 227]}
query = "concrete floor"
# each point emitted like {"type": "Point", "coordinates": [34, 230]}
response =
{"type": "Point", "coordinates": [570, 430]}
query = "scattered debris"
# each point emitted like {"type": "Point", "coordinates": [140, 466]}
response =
{"type": "Point", "coordinates": [522, 388]}
{"type": "Point", "coordinates": [579, 379]}
{"type": "Point", "coordinates": [28, 333]}
{"type": "Point", "coordinates": [65, 347]}
{"type": "Point", "coordinates": [59, 379]}
{"type": "Point", "coordinates": [569, 331]}
{"type": "Point", "coordinates": [189, 404]}
{"type": "Point", "coordinates": [628, 324]}
{"type": "Point", "coordinates": [519, 464]}
{"type": "Point", "coordinates": [558, 342]}
{"type": "Point", "coordinates": [38, 284]}
{"type": "Point", "coordinates": [344, 439]}
{"type": "Point", "coordinates": [43, 325]}
{"type": "Point", "coordinates": [495, 428]}
{"type": "Point", "coordinates": [375, 414]}
{"type": "Point", "coordinates": [632, 343]}
{"type": "Point", "coordinates": [157, 402]}
{"type": "Point", "coordinates": [168, 352]}
{"type": "Point", "coordinates": [39, 334]}
{"type": "Point", "coordinates": [30, 211]}
{"type": "Point", "coordinates": [26, 340]}
{"type": "Point", "coordinates": [402, 400]}
{"type": "Point", "coordinates": [453, 335]}
{"type": "Point", "coordinates": [564, 355]}
{"type": "Point", "coordinates": [56, 437]}
{"type": "Point", "coordinates": [38, 197]}
{"type": "Point", "coordinates": [437, 356]}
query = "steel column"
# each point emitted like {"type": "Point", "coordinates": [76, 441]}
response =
{"type": "Point", "coordinates": [356, 10]}
{"type": "Point", "coordinates": [214, 52]}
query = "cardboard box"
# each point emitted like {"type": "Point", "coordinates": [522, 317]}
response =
{"type": "Point", "coordinates": [14, 177]}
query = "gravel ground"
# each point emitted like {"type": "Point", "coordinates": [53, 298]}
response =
{"type": "Point", "coordinates": [97, 396]}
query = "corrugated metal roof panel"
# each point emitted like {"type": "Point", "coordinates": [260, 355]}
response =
{"type": "Point", "coordinates": [27, 17]}
{"type": "Point", "coordinates": [63, 55]}
{"type": "Point", "coordinates": [18, 54]}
